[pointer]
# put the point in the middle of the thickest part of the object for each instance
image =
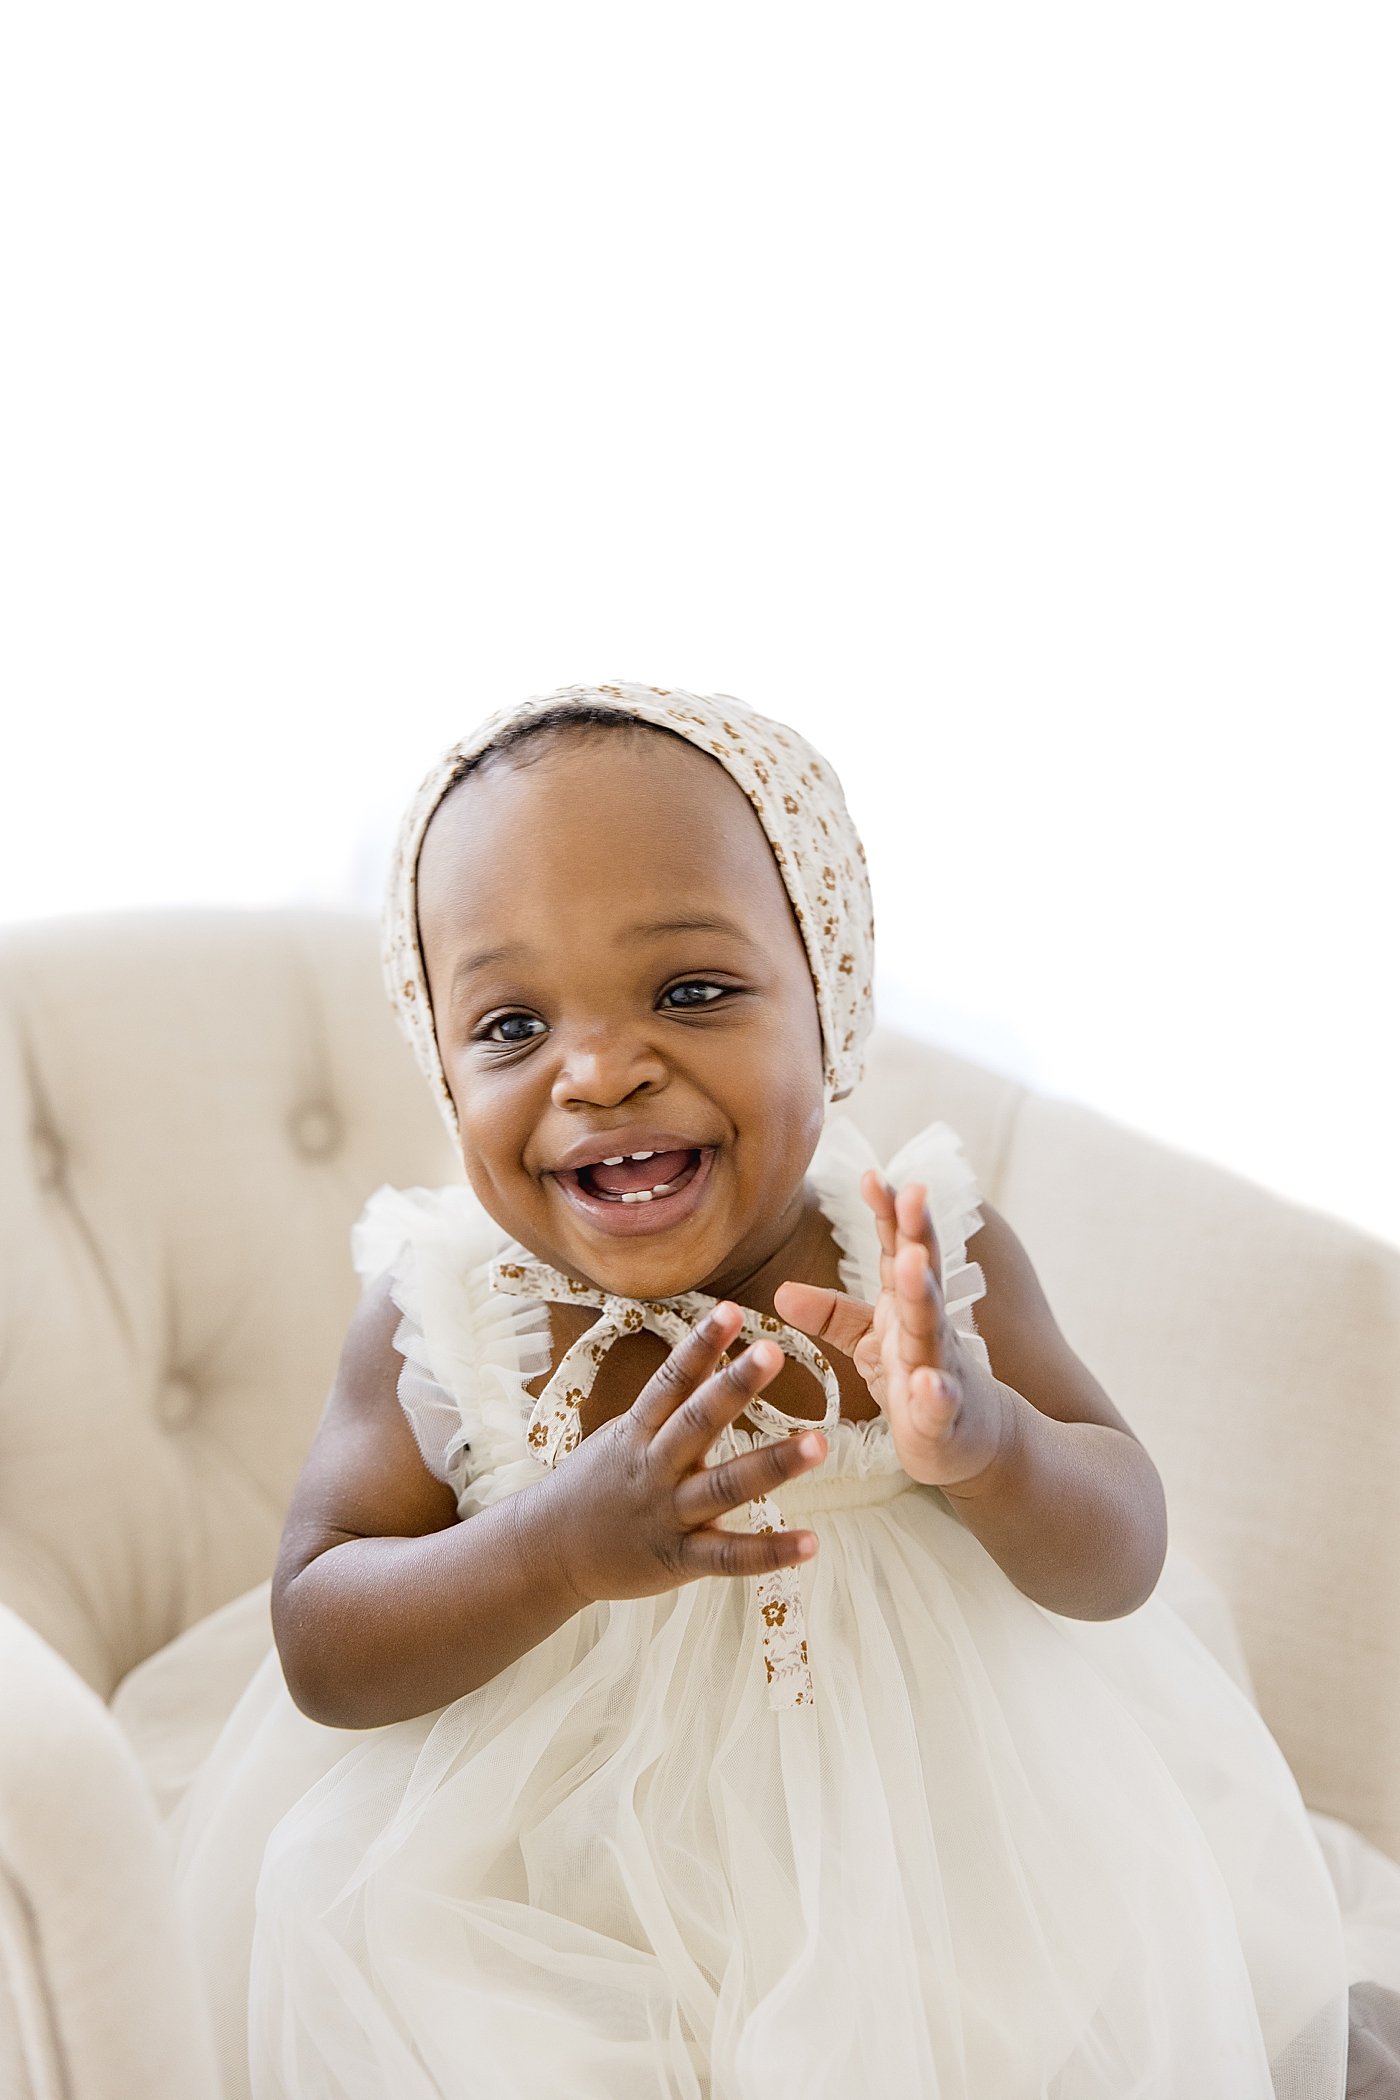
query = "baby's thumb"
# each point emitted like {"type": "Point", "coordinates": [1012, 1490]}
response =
{"type": "Point", "coordinates": [829, 1316]}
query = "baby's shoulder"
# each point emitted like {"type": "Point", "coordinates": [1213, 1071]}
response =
{"type": "Point", "coordinates": [433, 1249]}
{"type": "Point", "coordinates": [448, 1223]}
{"type": "Point", "coordinates": [465, 1350]}
{"type": "Point", "coordinates": [933, 1155]}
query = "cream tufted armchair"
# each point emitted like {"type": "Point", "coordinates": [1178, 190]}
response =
{"type": "Point", "coordinates": [194, 1107]}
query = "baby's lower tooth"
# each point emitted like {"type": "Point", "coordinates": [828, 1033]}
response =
{"type": "Point", "coordinates": [663, 1188]}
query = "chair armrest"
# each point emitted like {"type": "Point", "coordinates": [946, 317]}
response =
{"type": "Point", "coordinates": [100, 1998]}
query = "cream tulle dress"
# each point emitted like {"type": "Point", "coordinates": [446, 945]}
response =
{"type": "Point", "coordinates": [1000, 1854]}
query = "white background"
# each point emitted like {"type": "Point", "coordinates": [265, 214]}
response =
{"type": "Point", "coordinates": [1004, 395]}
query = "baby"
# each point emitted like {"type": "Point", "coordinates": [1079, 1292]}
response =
{"type": "Point", "coordinates": [614, 968]}
{"type": "Point", "coordinates": [790, 1721]}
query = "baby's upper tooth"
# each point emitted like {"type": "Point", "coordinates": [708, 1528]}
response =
{"type": "Point", "coordinates": [634, 1155]}
{"type": "Point", "coordinates": [611, 1162]}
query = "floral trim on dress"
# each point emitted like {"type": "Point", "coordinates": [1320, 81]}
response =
{"type": "Point", "coordinates": [470, 1350]}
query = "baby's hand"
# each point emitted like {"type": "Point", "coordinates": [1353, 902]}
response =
{"type": "Point", "coordinates": [948, 1422]}
{"type": "Point", "coordinates": [635, 1503]}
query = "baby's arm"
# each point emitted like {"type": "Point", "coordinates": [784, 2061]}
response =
{"type": "Point", "coordinates": [1073, 1508]}
{"type": "Point", "coordinates": [385, 1606]}
{"type": "Point", "coordinates": [1031, 1455]}
{"type": "Point", "coordinates": [382, 1604]}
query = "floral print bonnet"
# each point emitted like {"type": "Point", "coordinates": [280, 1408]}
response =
{"type": "Point", "coordinates": [798, 801]}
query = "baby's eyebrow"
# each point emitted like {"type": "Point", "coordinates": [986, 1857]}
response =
{"type": "Point", "coordinates": [695, 923]}
{"type": "Point", "coordinates": [483, 959]}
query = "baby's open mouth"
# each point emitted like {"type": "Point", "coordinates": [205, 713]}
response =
{"type": "Point", "coordinates": [638, 1177]}
{"type": "Point", "coordinates": [637, 1190]}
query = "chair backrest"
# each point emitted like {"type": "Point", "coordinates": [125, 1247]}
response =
{"type": "Point", "coordinates": [193, 1108]}
{"type": "Point", "coordinates": [1254, 1346]}
{"type": "Point", "coordinates": [195, 1105]}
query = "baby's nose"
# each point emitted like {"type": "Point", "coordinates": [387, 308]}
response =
{"type": "Point", "coordinates": [604, 1066]}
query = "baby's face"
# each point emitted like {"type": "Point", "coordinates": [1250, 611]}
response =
{"type": "Point", "coordinates": [614, 968]}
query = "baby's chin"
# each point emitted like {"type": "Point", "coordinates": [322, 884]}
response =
{"type": "Point", "coordinates": [654, 1271]}
{"type": "Point", "coordinates": [628, 1251]}
{"type": "Point", "coordinates": [660, 1265]}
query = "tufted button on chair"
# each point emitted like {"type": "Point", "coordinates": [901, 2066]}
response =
{"type": "Point", "coordinates": [317, 1130]}
{"type": "Point", "coordinates": [176, 1402]}
{"type": "Point", "coordinates": [194, 1107]}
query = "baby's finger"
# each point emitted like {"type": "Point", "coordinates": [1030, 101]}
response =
{"type": "Point", "coordinates": [829, 1315]}
{"type": "Point", "coordinates": [880, 1197]}
{"type": "Point", "coordinates": [711, 1551]}
{"type": "Point", "coordinates": [878, 1194]}
{"type": "Point", "coordinates": [711, 1490]}
{"type": "Point", "coordinates": [933, 1404]}
{"type": "Point", "coordinates": [914, 1223]}
{"type": "Point", "coordinates": [688, 1365]}
{"type": "Point", "coordinates": [686, 1435]}
{"type": "Point", "coordinates": [919, 1326]}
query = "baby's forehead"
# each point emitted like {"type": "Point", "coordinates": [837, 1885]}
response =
{"type": "Point", "coordinates": [622, 781]}
{"type": "Point", "coordinates": [591, 822]}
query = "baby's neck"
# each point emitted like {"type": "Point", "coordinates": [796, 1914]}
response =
{"type": "Point", "coordinates": [807, 1254]}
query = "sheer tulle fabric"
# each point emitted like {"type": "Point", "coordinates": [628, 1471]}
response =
{"type": "Point", "coordinates": [1002, 1855]}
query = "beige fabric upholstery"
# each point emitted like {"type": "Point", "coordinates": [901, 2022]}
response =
{"type": "Point", "coordinates": [1254, 1346]}
{"type": "Point", "coordinates": [99, 1993]}
{"type": "Point", "coordinates": [194, 1107]}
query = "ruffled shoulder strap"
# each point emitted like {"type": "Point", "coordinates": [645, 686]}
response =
{"type": "Point", "coordinates": [933, 1156]}
{"type": "Point", "coordinates": [467, 1351]}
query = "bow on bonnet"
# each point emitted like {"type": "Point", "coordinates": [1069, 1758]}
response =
{"type": "Point", "coordinates": [798, 801]}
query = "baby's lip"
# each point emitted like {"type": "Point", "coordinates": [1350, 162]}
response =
{"type": "Point", "coordinates": [620, 1219]}
{"type": "Point", "coordinates": [610, 1144]}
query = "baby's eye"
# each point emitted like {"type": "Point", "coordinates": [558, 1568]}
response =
{"type": "Point", "coordinates": [487, 1033]}
{"type": "Point", "coordinates": [707, 991]}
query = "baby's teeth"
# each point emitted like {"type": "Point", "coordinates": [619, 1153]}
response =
{"type": "Point", "coordinates": [663, 1188]}
{"type": "Point", "coordinates": [639, 1155]}
{"type": "Point", "coordinates": [612, 1162]}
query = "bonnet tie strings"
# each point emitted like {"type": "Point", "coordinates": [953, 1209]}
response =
{"type": "Point", "coordinates": [555, 1428]}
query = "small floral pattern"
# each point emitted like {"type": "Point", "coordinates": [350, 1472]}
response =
{"type": "Point", "coordinates": [554, 1428]}
{"type": "Point", "coordinates": [798, 801]}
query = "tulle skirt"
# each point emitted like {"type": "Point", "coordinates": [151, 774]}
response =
{"type": "Point", "coordinates": [1001, 1855]}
